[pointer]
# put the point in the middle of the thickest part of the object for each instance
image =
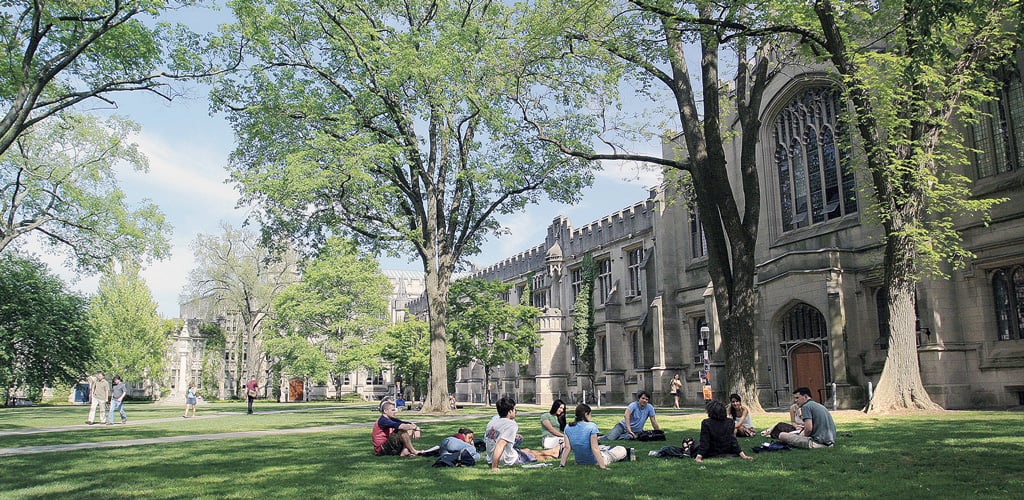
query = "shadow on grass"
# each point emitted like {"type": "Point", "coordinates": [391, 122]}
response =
{"type": "Point", "coordinates": [935, 455]}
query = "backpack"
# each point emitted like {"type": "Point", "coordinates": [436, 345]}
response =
{"type": "Point", "coordinates": [772, 446]}
{"type": "Point", "coordinates": [652, 435]}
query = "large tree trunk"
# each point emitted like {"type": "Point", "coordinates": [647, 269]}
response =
{"type": "Point", "coordinates": [437, 304]}
{"type": "Point", "coordinates": [900, 386]}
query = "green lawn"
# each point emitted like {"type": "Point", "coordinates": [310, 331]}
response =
{"type": "Point", "coordinates": [943, 455]}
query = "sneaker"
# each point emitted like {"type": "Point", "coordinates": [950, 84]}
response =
{"type": "Point", "coordinates": [108, 423]}
{"type": "Point", "coordinates": [88, 422]}
{"type": "Point", "coordinates": [124, 420]}
{"type": "Point", "coordinates": [652, 453]}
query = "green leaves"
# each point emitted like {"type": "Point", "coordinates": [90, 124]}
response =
{"type": "Point", "coordinates": [483, 328]}
{"type": "Point", "coordinates": [129, 337]}
{"type": "Point", "coordinates": [44, 331]}
{"type": "Point", "coordinates": [336, 310]}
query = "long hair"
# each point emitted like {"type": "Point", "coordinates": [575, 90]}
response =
{"type": "Point", "coordinates": [554, 410]}
{"type": "Point", "coordinates": [582, 410]}
{"type": "Point", "coordinates": [733, 412]}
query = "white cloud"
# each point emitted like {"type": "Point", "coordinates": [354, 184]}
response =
{"type": "Point", "coordinates": [184, 170]}
{"type": "Point", "coordinates": [631, 173]}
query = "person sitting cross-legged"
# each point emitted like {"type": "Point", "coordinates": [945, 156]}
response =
{"type": "Point", "coordinates": [636, 416]}
{"type": "Point", "coordinates": [818, 431]}
{"type": "Point", "coordinates": [582, 437]}
{"type": "Point", "coordinates": [717, 435]}
{"type": "Point", "coordinates": [501, 436]}
{"type": "Point", "coordinates": [392, 436]}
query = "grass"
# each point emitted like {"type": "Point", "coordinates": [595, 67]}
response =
{"type": "Point", "coordinates": [937, 455]}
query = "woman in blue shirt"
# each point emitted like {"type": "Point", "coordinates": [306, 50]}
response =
{"type": "Point", "coordinates": [582, 438]}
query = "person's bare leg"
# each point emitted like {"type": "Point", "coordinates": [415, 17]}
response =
{"type": "Point", "coordinates": [408, 449]}
{"type": "Point", "coordinates": [542, 455]}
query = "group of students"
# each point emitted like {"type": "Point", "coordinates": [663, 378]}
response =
{"type": "Point", "coordinates": [582, 438]}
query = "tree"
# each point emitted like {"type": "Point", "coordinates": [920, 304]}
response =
{"type": "Point", "coordinates": [597, 48]}
{"type": "Point", "coordinates": [60, 181]}
{"type": "Point", "coordinates": [406, 346]}
{"type": "Point", "coordinates": [583, 321]}
{"type": "Point", "coordinates": [938, 63]}
{"type": "Point", "coordinates": [129, 339]}
{"type": "Point", "coordinates": [61, 54]}
{"type": "Point", "coordinates": [236, 276]}
{"type": "Point", "coordinates": [387, 121]}
{"type": "Point", "coordinates": [44, 329]}
{"type": "Point", "coordinates": [485, 329]}
{"type": "Point", "coordinates": [327, 322]}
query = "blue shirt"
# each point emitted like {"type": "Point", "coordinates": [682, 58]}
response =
{"type": "Point", "coordinates": [638, 416]}
{"type": "Point", "coordinates": [579, 440]}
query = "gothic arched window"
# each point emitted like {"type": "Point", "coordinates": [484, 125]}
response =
{"type": "Point", "coordinates": [815, 180]}
{"type": "Point", "coordinates": [999, 136]}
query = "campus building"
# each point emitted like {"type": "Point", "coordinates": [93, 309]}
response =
{"type": "Point", "coordinates": [818, 277]}
{"type": "Point", "coordinates": [222, 367]}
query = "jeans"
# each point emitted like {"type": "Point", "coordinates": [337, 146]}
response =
{"type": "Point", "coordinates": [250, 398]}
{"type": "Point", "coordinates": [116, 405]}
{"type": "Point", "coordinates": [617, 432]}
{"type": "Point", "coordinates": [452, 444]}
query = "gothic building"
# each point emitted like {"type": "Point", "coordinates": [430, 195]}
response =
{"type": "Point", "coordinates": [818, 277]}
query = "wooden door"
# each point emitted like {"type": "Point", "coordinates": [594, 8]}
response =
{"type": "Point", "coordinates": [808, 370]}
{"type": "Point", "coordinates": [295, 387]}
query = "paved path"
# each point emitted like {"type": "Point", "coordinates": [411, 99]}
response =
{"type": "Point", "coordinates": [29, 450]}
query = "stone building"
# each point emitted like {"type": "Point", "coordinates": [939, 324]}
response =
{"type": "Point", "coordinates": [191, 359]}
{"type": "Point", "coordinates": [818, 277]}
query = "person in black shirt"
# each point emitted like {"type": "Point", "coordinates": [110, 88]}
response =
{"type": "Point", "coordinates": [718, 436]}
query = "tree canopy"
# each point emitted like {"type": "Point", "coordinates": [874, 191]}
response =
{"type": "Point", "coordinates": [60, 181]}
{"type": "Point", "coordinates": [406, 346]}
{"type": "Point", "coordinates": [44, 328]}
{"type": "Point", "coordinates": [485, 329]}
{"type": "Point", "coordinates": [390, 122]}
{"type": "Point", "coordinates": [129, 337]}
{"type": "Point", "coordinates": [327, 322]}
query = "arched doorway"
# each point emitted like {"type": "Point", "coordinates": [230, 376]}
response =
{"type": "Point", "coordinates": [295, 389]}
{"type": "Point", "coordinates": [803, 336]}
{"type": "Point", "coordinates": [808, 369]}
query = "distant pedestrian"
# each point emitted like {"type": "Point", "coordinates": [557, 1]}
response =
{"type": "Point", "coordinates": [677, 391]}
{"type": "Point", "coordinates": [99, 393]}
{"type": "Point", "coordinates": [190, 399]}
{"type": "Point", "coordinates": [250, 392]}
{"type": "Point", "coordinates": [117, 395]}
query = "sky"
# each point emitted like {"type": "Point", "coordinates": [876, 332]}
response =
{"type": "Point", "coordinates": [188, 152]}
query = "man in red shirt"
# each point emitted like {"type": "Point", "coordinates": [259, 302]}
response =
{"type": "Point", "coordinates": [250, 392]}
{"type": "Point", "coordinates": [392, 436]}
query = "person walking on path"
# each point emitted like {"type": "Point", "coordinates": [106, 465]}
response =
{"type": "Point", "coordinates": [117, 394]}
{"type": "Point", "coordinates": [250, 392]}
{"type": "Point", "coordinates": [677, 391]}
{"type": "Point", "coordinates": [190, 399]}
{"type": "Point", "coordinates": [99, 393]}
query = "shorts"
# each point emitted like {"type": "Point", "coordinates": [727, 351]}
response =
{"type": "Point", "coordinates": [524, 458]}
{"type": "Point", "coordinates": [551, 442]}
{"type": "Point", "coordinates": [190, 401]}
{"type": "Point", "coordinates": [393, 446]}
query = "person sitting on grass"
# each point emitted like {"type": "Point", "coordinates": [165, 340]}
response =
{"type": "Point", "coordinates": [456, 443]}
{"type": "Point", "coordinates": [718, 436]}
{"type": "Point", "coordinates": [741, 417]}
{"type": "Point", "coordinates": [392, 436]}
{"type": "Point", "coordinates": [819, 431]}
{"type": "Point", "coordinates": [636, 416]}
{"type": "Point", "coordinates": [501, 436]}
{"type": "Point", "coordinates": [552, 426]}
{"type": "Point", "coordinates": [582, 437]}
